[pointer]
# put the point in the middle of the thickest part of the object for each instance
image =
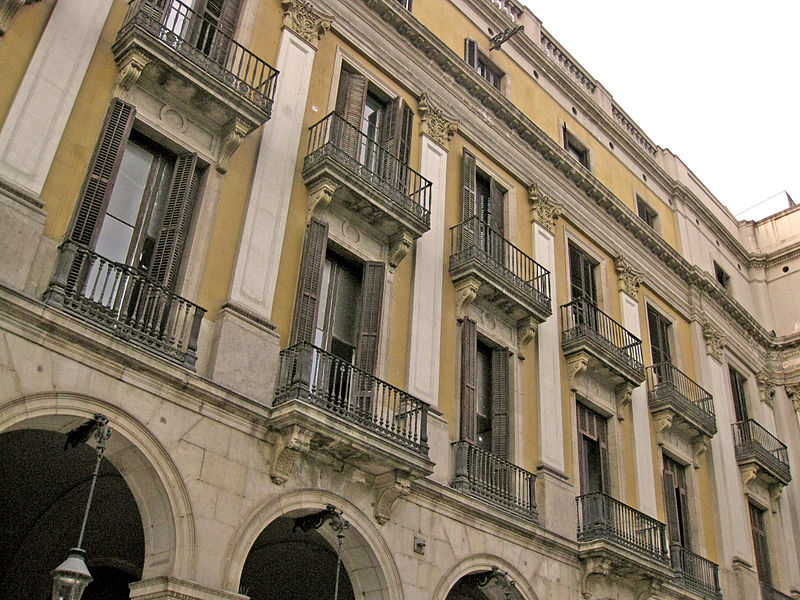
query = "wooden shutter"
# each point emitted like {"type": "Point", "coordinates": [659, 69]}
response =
{"type": "Point", "coordinates": [671, 507]}
{"type": "Point", "coordinates": [228, 14]}
{"type": "Point", "coordinates": [309, 282]}
{"type": "Point", "coordinates": [581, 274]}
{"type": "Point", "coordinates": [760, 545]}
{"type": "Point", "coordinates": [659, 337]}
{"type": "Point", "coordinates": [737, 390]}
{"type": "Point", "coordinates": [175, 224]}
{"type": "Point", "coordinates": [501, 398]}
{"type": "Point", "coordinates": [468, 200]}
{"type": "Point", "coordinates": [469, 380]}
{"type": "Point", "coordinates": [350, 107]}
{"type": "Point", "coordinates": [471, 53]}
{"type": "Point", "coordinates": [395, 135]}
{"type": "Point", "coordinates": [605, 463]}
{"type": "Point", "coordinates": [96, 189]}
{"type": "Point", "coordinates": [371, 307]}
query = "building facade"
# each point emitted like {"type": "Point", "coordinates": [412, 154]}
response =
{"type": "Point", "coordinates": [381, 300]}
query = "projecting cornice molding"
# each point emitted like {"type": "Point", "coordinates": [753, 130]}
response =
{"type": "Point", "coordinates": [434, 123]}
{"type": "Point", "coordinates": [305, 20]}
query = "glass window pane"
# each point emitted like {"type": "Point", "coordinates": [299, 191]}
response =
{"type": "Point", "coordinates": [114, 239]}
{"type": "Point", "coordinates": [130, 183]}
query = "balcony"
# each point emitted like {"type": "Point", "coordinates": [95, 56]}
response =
{"type": "Point", "coordinates": [612, 533]}
{"type": "Point", "coordinates": [509, 279]}
{"type": "Point", "coordinates": [612, 352]}
{"type": "Point", "coordinates": [364, 177]}
{"type": "Point", "coordinates": [350, 415]}
{"type": "Point", "coordinates": [496, 481]}
{"type": "Point", "coordinates": [770, 593]}
{"type": "Point", "coordinates": [695, 573]}
{"type": "Point", "coordinates": [762, 453]}
{"type": "Point", "coordinates": [169, 47]}
{"type": "Point", "coordinates": [124, 302]}
{"type": "Point", "coordinates": [689, 407]}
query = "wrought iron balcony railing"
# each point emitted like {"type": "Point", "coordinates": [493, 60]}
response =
{"type": "Point", "coordinates": [176, 25]}
{"type": "Point", "coordinates": [695, 572]}
{"type": "Point", "coordinates": [125, 302]}
{"type": "Point", "coordinates": [581, 319]}
{"type": "Point", "coordinates": [497, 481]}
{"type": "Point", "coordinates": [472, 239]}
{"type": "Point", "coordinates": [770, 593]}
{"type": "Point", "coordinates": [317, 377]}
{"type": "Point", "coordinates": [601, 517]}
{"type": "Point", "coordinates": [670, 387]}
{"type": "Point", "coordinates": [335, 138]}
{"type": "Point", "coordinates": [753, 442]}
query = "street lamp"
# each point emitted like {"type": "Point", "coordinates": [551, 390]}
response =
{"type": "Point", "coordinates": [72, 576]}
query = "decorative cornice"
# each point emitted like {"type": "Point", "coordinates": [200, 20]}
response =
{"type": "Point", "coordinates": [715, 342]}
{"type": "Point", "coordinates": [562, 58]}
{"type": "Point", "coordinates": [305, 20]}
{"type": "Point", "coordinates": [629, 278]}
{"type": "Point", "coordinates": [544, 211]}
{"type": "Point", "coordinates": [766, 389]}
{"type": "Point", "coordinates": [628, 126]}
{"type": "Point", "coordinates": [434, 123]}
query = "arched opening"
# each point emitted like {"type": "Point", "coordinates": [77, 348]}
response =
{"type": "Point", "coordinates": [287, 563]}
{"type": "Point", "coordinates": [43, 492]}
{"type": "Point", "coordinates": [490, 584]}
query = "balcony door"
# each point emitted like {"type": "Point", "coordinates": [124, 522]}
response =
{"type": "Point", "coordinates": [660, 352]}
{"type": "Point", "coordinates": [593, 458]}
{"type": "Point", "coordinates": [676, 501]}
{"type": "Point", "coordinates": [583, 288]}
{"type": "Point", "coordinates": [482, 211]}
{"type": "Point", "coordinates": [739, 398]}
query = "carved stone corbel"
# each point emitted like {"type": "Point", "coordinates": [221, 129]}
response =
{"type": "Point", "coordinates": [793, 392]}
{"type": "Point", "coordinates": [232, 137]}
{"type": "Point", "coordinates": [749, 473]}
{"type": "Point", "coordinates": [434, 123]}
{"type": "Point", "coordinates": [304, 19]}
{"type": "Point", "coordinates": [661, 422]}
{"type": "Point", "coordinates": [593, 565]}
{"type": "Point", "coordinates": [648, 589]}
{"type": "Point", "coordinates": [766, 389]}
{"type": "Point", "coordinates": [699, 447]}
{"type": "Point", "coordinates": [576, 364]}
{"type": "Point", "coordinates": [544, 211]}
{"type": "Point", "coordinates": [629, 278]}
{"type": "Point", "coordinates": [623, 393]}
{"type": "Point", "coordinates": [526, 333]}
{"type": "Point", "coordinates": [319, 196]}
{"type": "Point", "coordinates": [775, 490]}
{"type": "Point", "coordinates": [399, 246]}
{"type": "Point", "coordinates": [715, 342]}
{"type": "Point", "coordinates": [130, 69]}
{"type": "Point", "coordinates": [466, 292]}
{"type": "Point", "coordinates": [287, 445]}
{"type": "Point", "coordinates": [388, 488]}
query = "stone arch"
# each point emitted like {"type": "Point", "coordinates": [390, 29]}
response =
{"type": "Point", "coordinates": [483, 562]}
{"type": "Point", "coordinates": [145, 466]}
{"type": "Point", "coordinates": [366, 556]}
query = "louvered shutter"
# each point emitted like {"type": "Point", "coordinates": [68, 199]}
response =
{"type": "Point", "coordinates": [575, 273]}
{"type": "Point", "coordinates": [228, 11]}
{"type": "Point", "coordinates": [175, 224]}
{"type": "Point", "coordinates": [350, 107]}
{"type": "Point", "coordinates": [501, 398]}
{"type": "Point", "coordinates": [103, 169]}
{"type": "Point", "coordinates": [469, 380]}
{"type": "Point", "coordinates": [309, 282]}
{"type": "Point", "coordinates": [760, 545]}
{"type": "Point", "coordinates": [583, 459]}
{"type": "Point", "coordinates": [683, 497]}
{"type": "Point", "coordinates": [496, 222]}
{"type": "Point", "coordinates": [659, 337]}
{"type": "Point", "coordinates": [671, 508]}
{"type": "Point", "coordinates": [471, 53]}
{"type": "Point", "coordinates": [739, 399]}
{"type": "Point", "coordinates": [395, 139]}
{"type": "Point", "coordinates": [371, 307]}
{"type": "Point", "coordinates": [468, 199]}
{"type": "Point", "coordinates": [605, 463]}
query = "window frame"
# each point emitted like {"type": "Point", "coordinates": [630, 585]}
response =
{"type": "Point", "coordinates": [598, 433]}
{"type": "Point", "coordinates": [576, 148]}
{"type": "Point", "coordinates": [738, 383]}
{"type": "Point", "coordinates": [679, 522]}
{"type": "Point", "coordinates": [721, 276]}
{"type": "Point", "coordinates": [664, 333]}
{"type": "Point", "coordinates": [758, 529]}
{"type": "Point", "coordinates": [484, 66]}
{"type": "Point", "coordinates": [647, 213]}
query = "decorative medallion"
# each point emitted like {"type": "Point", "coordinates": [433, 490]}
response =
{"type": "Point", "coordinates": [305, 20]}
{"type": "Point", "coordinates": [629, 278]}
{"type": "Point", "coordinates": [544, 211]}
{"type": "Point", "coordinates": [434, 124]}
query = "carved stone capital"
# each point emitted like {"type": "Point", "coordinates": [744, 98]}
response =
{"type": "Point", "coordinates": [766, 389]}
{"type": "Point", "coordinates": [304, 19]}
{"type": "Point", "coordinates": [320, 195]}
{"type": "Point", "coordinates": [434, 123]}
{"type": "Point", "coordinates": [594, 565]}
{"type": "Point", "coordinates": [661, 422]}
{"type": "Point", "coordinates": [544, 211]}
{"type": "Point", "coordinates": [399, 246]}
{"type": "Point", "coordinates": [287, 445]}
{"type": "Point", "coordinates": [699, 447]}
{"type": "Point", "coordinates": [388, 488]}
{"type": "Point", "coordinates": [526, 333]}
{"type": "Point", "coordinates": [647, 589]}
{"type": "Point", "coordinates": [793, 392]}
{"type": "Point", "coordinates": [130, 69]}
{"type": "Point", "coordinates": [623, 393]}
{"type": "Point", "coordinates": [629, 278]}
{"type": "Point", "coordinates": [576, 364]}
{"type": "Point", "coordinates": [715, 342]}
{"type": "Point", "coordinates": [232, 137]}
{"type": "Point", "coordinates": [466, 291]}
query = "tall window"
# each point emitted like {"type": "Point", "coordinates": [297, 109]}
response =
{"type": "Point", "coordinates": [759, 532]}
{"type": "Point", "coordinates": [659, 337]}
{"type": "Point", "coordinates": [482, 64]}
{"type": "Point", "coordinates": [582, 275]}
{"type": "Point", "coordinates": [737, 390]}
{"type": "Point", "coordinates": [676, 501]}
{"type": "Point", "coordinates": [576, 148]}
{"type": "Point", "coordinates": [485, 393]}
{"type": "Point", "coordinates": [593, 451]}
{"type": "Point", "coordinates": [482, 200]}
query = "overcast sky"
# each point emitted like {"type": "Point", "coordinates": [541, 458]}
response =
{"type": "Point", "coordinates": [714, 81]}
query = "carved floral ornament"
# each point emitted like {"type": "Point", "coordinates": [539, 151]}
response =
{"type": "Point", "coordinates": [629, 278]}
{"type": "Point", "coordinates": [793, 392]}
{"type": "Point", "coordinates": [766, 389]}
{"type": "Point", "coordinates": [715, 342]}
{"type": "Point", "coordinates": [434, 124]}
{"type": "Point", "coordinates": [544, 211]}
{"type": "Point", "coordinates": [305, 20]}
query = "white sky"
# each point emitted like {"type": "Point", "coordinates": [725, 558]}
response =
{"type": "Point", "coordinates": [717, 82]}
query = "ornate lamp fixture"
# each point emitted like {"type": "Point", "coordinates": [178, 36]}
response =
{"type": "Point", "coordinates": [72, 576]}
{"type": "Point", "coordinates": [501, 578]}
{"type": "Point", "coordinates": [338, 523]}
